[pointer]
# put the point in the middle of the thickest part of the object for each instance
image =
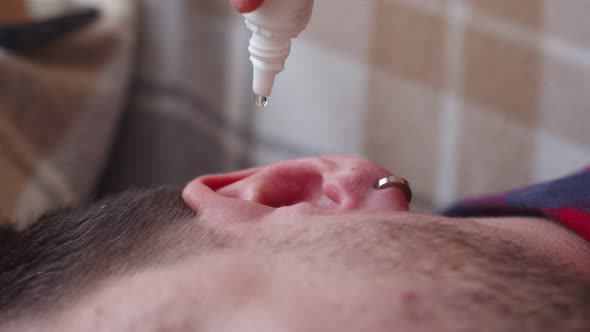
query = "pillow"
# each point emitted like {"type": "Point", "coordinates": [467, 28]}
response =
{"type": "Point", "coordinates": [59, 107]}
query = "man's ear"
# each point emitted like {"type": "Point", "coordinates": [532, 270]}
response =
{"type": "Point", "coordinates": [330, 184]}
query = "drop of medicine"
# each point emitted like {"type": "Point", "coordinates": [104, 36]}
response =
{"type": "Point", "coordinates": [260, 101]}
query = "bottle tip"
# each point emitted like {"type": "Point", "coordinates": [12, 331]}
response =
{"type": "Point", "coordinates": [260, 101]}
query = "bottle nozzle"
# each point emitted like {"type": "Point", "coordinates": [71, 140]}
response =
{"type": "Point", "coordinates": [273, 26]}
{"type": "Point", "coordinates": [260, 101]}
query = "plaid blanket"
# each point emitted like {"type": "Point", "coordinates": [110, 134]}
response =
{"type": "Point", "coordinates": [462, 97]}
{"type": "Point", "coordinates": [59, 107]}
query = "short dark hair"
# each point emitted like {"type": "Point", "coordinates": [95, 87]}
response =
{"type": "Point", "coordinates": [72, 247]}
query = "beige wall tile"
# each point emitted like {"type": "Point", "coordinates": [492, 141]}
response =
{"type": "Point", "coordinates": [410, 43]}
{"type": "Point", "coordinates": [501, 75]}
{"type": "Point", "coordinates": [525, 12]}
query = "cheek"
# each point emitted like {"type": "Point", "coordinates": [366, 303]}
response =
{"type": "Point", "coordinates": [547, 238]}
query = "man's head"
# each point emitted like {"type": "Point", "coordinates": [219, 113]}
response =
{"type": "Point", "coordinates": [305, 245]}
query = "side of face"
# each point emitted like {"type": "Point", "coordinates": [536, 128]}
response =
{"type": "Point", "coordinates": [328, 273]}
{"type": "Point", "coordinates": [311, 245]}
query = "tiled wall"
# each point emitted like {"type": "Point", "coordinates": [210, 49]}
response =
{"type": "Point", "coordinates": [462, 97]}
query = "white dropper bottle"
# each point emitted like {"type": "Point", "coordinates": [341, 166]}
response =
{"type": "Point", "coordinates": [273, 25]}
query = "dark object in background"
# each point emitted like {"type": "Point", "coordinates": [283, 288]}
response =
{"type": "Point", "coordinates": [37, 33]}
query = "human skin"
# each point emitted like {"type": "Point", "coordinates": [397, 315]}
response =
{"type": "Point", "coordinates": [312, 245]}
{"type": "Point", "coordinates": [339, 185]}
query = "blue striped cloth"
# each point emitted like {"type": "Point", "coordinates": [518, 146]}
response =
{"type": "Point", "coordinates": [565, 200]}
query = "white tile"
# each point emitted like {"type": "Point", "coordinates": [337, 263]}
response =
{"type": "Point", "coordinates": [556, 157]}
{"type": "Point", "coordinates": [563, 103]}
{"type": "Point", "coordinates": [318, 102]}
{"type": "Point", "coordinates": [568, 20]}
